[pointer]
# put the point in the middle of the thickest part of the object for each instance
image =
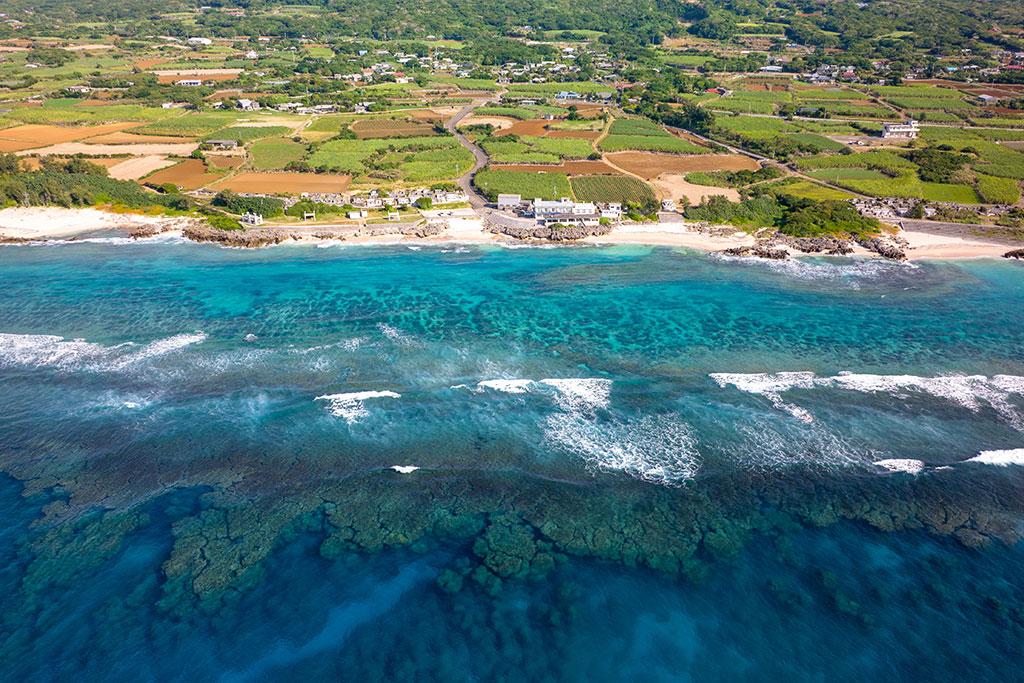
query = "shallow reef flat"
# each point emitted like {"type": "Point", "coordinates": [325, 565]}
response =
{"type": "Point", "coordinates": [458, 463]}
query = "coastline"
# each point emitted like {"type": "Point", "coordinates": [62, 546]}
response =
{"type": "Point", "coordinates": [37, 224]}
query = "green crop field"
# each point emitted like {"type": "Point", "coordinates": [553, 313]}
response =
{"type": "Point", "coordinates": [244, 134]}
{"type": "Point", "coordinates": [493, 182]}
{"type": "Point", "coordinates": [998, 190]}
{"type": "Point", "coordinates": [275, 153]}
{"type": "Point", "coordinates": [637, 127]}
{"type": "Point", "coordinates": [808, 190]}
{"type": "Point", "coordinates": [394, 160]}
{"type": "Point", "coordinates": [192, 123]}
{"type": "Point", "coordinates": [611, 188]}
{"type": "Point", "coordinates": [650, 143]}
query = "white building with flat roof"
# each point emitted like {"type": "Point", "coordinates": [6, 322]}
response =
{"type": "Point", "coordinates": [907, 130]}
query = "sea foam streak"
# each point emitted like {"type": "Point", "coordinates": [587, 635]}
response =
{"type": "Point", "coordinates": [656, 448]}
{"type": "Point", "coordinates": [968, 391]}
{"type": "Point", "coordinates": [908, 465]}
{"type": "Point", "coordinates": [42, 350]}
{"type": "Point", "coordinates": [350, 406]}
{"type": "Point", "coordinates": [1001, 458]}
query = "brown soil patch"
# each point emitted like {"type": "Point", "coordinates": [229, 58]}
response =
{"type": "Point", "coordinates": [40, 135]}
{"type": "Point", "coordinates": [425, 115]}
{"type": "Point", "coordinates": [124, 138]}
{"type": "Point", "coordinates": [215, 78]}
{"type": "Point", "coordinates": [533, 127]}
{"type": "Point", "coordinates": [13, 146]}
{"type": "Point", "coordinates": [285, 183]}
{"type": "Point", "coordinates": [649, 165]}
{"type": "Point", "coordinates": [138, 167]}
{"type": "Point", "coordinates": [389, 128]}
{"type": "Point", "coordinates": [190, 174]}
{"type": "Point", "coordinates": [71, 148]}
{"type": "Point", "coordinates": [149, 63]}
{"type": "Point", "coordinates": [223, 161]}
{"type": "Point", "coordinates": [582, 167]}
{"type": "Point", "coordinates": [583, 134]}
{"type": "Point", "coordinates": [499, 122]}
{"type": "Point", "coordinates": [674, 186]}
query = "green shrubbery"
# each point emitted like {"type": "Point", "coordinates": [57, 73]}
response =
{"type": "Point", "coordinates": [268, 207]}
{"type": "Point", "coordinates": [792, 216]}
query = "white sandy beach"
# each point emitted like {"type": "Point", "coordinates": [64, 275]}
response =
{"type": "Point", "coordinates": [48, 222]}
{"type": "Point", "coordinates": [925, 245]}
{"type": "Point", "coordinates": [38, 223]}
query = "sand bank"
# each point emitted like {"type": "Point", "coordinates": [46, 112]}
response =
{"type": "Point", "coordinates": [47, 222]}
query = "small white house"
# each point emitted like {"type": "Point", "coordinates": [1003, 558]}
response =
{"type": "Point", "coordinates": [250, 218]}
{"type": "Point", "coordinates": [509, 202]}
{"type": "Point", "coordinates": [358, 214]}
{"type": "Point", "coordinates": [190, 82]}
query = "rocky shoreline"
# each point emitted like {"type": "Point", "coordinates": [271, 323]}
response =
{"type": "Point", "coordinates": [262, 237]}
{"type": "Point", "coordinates": [777, 247]}
{"type": "Point", "coordinates": [567, 233]}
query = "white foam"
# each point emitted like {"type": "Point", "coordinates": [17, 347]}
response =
{"type": "Point", "coordinates": [160, 347]}
{"type": "Point", "coordinates": [908, 465]}
{"type": "Point", "coordinates": [968, 391]}
{"type": "Point", "coordinates": [44, 350]}
{"type": "Point", "coordinates": [393, 333]}
{"type": "Point", "coordinates": [850, 271]}
{"type": "Point", "coordinates": [769, 445]}
{"type": "Point", "coordinates": [770, 386]}
{"type": "Point", "coordinates": [1003, 458]}
{"type": "Point", "coordinates": [404, 469]}
{"type": "Point", "coordinates": [508, 386]}
{"type": "Point", "coordinates": [575, 394]}
{"type": "Point", "coordinates": [656, 448]}
{"type": "Point", "coordinates": [350, 406]}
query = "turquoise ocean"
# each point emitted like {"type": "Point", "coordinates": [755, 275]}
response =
{"type": "Point", "coordinates": [461, 463]}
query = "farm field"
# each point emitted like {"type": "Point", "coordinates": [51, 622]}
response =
{"type": "Point", "coordinates": [190, 174]}
{"type": "Point", "coordinates": [275, 153]}
{"type": "Point", "coordinates": [607, 188]}
{"type": "Point", "coordinates": [283, 183]}
{"type": "Point", "coordinates": [583, 167]}
{"type": "Point", "coordinates": [30, 136]}
{"type": "Point", "coordinates": [391, 128]}
{"type": "Point", "coordinates": [138, 167]}
{"type": "Point", "coordinates": [528, 184]}
{"type": "Point", "coordinates": [650, 165]}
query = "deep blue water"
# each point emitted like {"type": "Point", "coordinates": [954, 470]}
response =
{"type": "Point", "coordinates": [632, 464]}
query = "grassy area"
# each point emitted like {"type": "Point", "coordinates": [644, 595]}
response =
{"type": "Point", "coordinates": [493, 182]}
{"type": "Point", "coordinates": [808, 190]}
{"type": "Point", "coordinates": [275, 153]}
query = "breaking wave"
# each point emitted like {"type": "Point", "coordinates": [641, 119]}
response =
{"type": "Point", "coordinates": [968, 391]}
{"type": "Point", "coordinates": [657, 448]}
{"type": "Point", "coordinates": [1000, 458]}
{"type": "Point", "coordinates": [907, 465]}
{"type": "Point", "coordinates": [850, 271]}
{"type": "Point", "coordinates": [51, 351]}
{"type": "Point", "coordinates": [351, 406]}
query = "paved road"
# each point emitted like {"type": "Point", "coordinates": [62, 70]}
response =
{"type": "Point", "coordinates": [476, 200]}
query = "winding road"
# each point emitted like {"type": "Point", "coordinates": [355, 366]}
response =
{"type": "Point", "coordinates": [476, 200]}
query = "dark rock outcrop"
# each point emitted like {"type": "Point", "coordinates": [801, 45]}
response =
{"type": "Point", "coordinates": [890, 248]}
{"type": "Point", "coordinates": [1015, 253]}
{"type": "Point", "coordinates": [817, 245]}
{"type": "Point", "coordinates": [566, 233]}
